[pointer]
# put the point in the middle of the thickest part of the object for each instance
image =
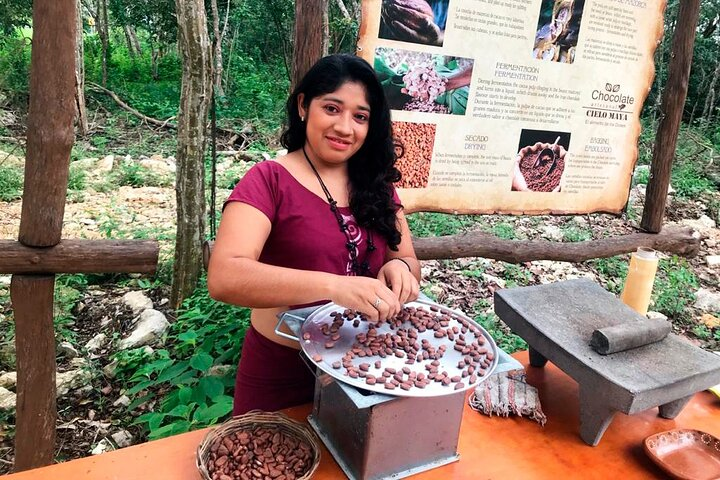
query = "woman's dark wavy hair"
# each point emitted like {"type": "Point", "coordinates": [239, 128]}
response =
{"type": "Point", "coordinates": [372, 169]}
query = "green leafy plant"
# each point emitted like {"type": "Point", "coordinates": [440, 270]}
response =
{"type": "Point", "coordinates": [206, 334]}
{"type": "Point", "coordinates": [11, 183]}
{"type": "Point", "coordinates": [516, 275]}
{"type": "Point", "coordinates": [576, 234]}
{"type": "Point", "coordinates": [674, 288]}
{"type": "Point", "coordinates": [612, 271]}
{"type": "Point", "coordinates": [504, 338]}
{"type": "Point", "coordinates": [504, 230]}
{"type": "Point", "coordinates": [424, 224]}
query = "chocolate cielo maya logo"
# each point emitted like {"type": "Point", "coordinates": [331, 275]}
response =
{"type": "Point", "coordinates": [610, 103]}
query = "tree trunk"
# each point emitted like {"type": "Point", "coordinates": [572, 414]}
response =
{"type": "Point", "coordinates": [103, 29]}
{"type": "Point", "coordinates": [673, 101]}
{"type": "Point", "coordinates": [217, 48]}
{"type": "Point", "coordinates": [154, 59]}
{"type": "Point", "coordinates": [196, 93]}
{"type": "Point", "coordinates": [133, 44]}
{"type": "Point", "coordinates": [82, 119]}
{"type": "Point", "coordinates": [709, 108]}
{"type": "Point", "coordinates": [310, 42]}
{"type": "Point", "coordinates": [343, 9]}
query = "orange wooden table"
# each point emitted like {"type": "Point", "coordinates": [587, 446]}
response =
{"type": "Point", "coordinates": [490, 448]}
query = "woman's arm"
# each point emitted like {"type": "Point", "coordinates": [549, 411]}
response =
{"type": "Point", "coordinates": [236, 276]}
{"type": "Point", "coordinates": [402, 276]}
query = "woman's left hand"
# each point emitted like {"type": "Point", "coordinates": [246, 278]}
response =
{"type": "Point", "coordinates": [397, 276]}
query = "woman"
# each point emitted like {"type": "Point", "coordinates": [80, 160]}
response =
{"type": "Point", "coordinates": [322, 223]}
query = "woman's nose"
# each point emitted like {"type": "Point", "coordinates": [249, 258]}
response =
{"type": "Point", "coordinates": [344, 124]}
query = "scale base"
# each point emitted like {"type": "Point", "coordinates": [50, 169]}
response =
{"type": "Point", "coordinates": [349, 473]}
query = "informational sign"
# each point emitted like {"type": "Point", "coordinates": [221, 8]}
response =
{"type": "Point", "coordinates": [514, 106]}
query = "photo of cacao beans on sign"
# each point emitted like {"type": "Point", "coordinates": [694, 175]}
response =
{"type": "Point", "coordinates": [414, 144]}
{"type": "Point", "coordinates": [558, 29]}
{"type": "Point", "coordinates": [424, 82]}
{"type": "Point", "coordinates": [540, 161]}
{"type": "Point", "coordinates": [414, 21]}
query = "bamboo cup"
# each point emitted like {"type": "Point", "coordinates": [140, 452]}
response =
{"type": "Point", "coordinates": [640, 279]}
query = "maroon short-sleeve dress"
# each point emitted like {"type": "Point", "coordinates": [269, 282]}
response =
{"type": "Point", "coordinates": [305, 235]}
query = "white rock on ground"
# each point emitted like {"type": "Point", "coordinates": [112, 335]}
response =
{"type": "Point", "coordinates": [7, 399]}
{"type": "Point", "coordinates": [5, 280]}
{"type": "Point", "coordinates": [713, 260]}
{"type": "Point", "coordinates": [656, 316]}
{"type": "Point", "coordinates": [120, 439]}
{"type": "Point", "coordinates": [137, 301]}
{"type": "Point", "coordinates": [123, 438]}
{"type": "Point", "coordinates": [707, 300]}
{"type": "Point", "coordinates": [493, 279]}
{"type": "Point", "coordinates": [703, 223]}
{"type": "Point", "coordinates": [105, 165]}
{"type": "Point", "coordinates": [67, 350]}
{"type": "Point", "coordinates": [124, 400]}
{"type": "Point", "coordinates": [96, 343]}
{"type": "Point", "coordinates": [66, 381]}
{"type": "Point", "coordinates": [8, 380]}
{"type": "Point", "coordinates": [553, 232]}
{"type": "Point", "coordinates": [149, 328]}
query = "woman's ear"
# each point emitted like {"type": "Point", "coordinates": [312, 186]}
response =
{"type": "Point", "coordinates": [301, 106]}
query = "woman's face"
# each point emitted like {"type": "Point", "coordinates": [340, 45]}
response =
{"type": "Point", "coordinates": [336, 123]}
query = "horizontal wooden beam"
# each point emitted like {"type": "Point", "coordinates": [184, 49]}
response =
{"type": "Point", "coordinates": [80, 256]}
{"type": "Point", "coordinates": [680, 241]}
{"type": "Point", "coordinates": [478, 244]}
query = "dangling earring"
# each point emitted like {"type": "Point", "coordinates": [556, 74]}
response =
{"type": "Point", "coordinates": [302, 118]}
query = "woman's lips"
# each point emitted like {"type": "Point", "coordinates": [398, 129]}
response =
{"type": "Point", "coordinates": [338, 143]}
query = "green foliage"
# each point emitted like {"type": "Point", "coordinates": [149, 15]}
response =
{"type": "Point", "coordinates": [504, 230]}
{"type": "Point", "coordinates": [642, 177]}
{"type": "Point", "coordinates": [11, 183]}
{"type": "Point", "coordinates": [689, 181]}
{"type": "Point", "coordinates": [14, 69]}
{"type": "Point", "coordinates": [131, 173]}
{"type": "Point", "coordinates": [206, 334]}
{"type": "Point", "coordinates": [516, 275]}
{"type": "Point", "coordinates": [675, 286]}
{"type": "Point", "coordinates": [77, 178]}
{"type": "Point", "coordinates": [425, 224]}
{"type": "Point", "coordinates": [612, 271]}
{"type": "Point", "coordinates": [504, 338]}
{"type": "Point", "coordinates": [576, 234]}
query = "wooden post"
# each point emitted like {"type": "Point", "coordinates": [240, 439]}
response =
{"type": "Point", "coordinates": [311, 36]}
{"type": "Point", "coordinates": [32, 301]}
{"type": "Point", "coordinates": [49, 140]}
{"type": "Point", "coordinates": [40, 254]}
{"type": "Point", "coordinates": [673, 101]}
{"type": "Point", "coordinates": [50, 122]}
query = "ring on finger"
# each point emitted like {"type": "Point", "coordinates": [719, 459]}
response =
{"type": "Point", "coordinates": [377, 303]}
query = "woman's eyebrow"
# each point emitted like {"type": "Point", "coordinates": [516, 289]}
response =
{"type": "Point", "coordinates": [337, 100]}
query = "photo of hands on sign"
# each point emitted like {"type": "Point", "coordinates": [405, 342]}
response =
{"type": "Point", "coordinates": [415, 21]}
{"type": "Point", "coordinates": [539, 165]}
{"type": "Point", "coordinates": [424, 82]}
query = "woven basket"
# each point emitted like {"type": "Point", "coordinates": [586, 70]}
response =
{"type": "Point", "coordinates": [250, 421]}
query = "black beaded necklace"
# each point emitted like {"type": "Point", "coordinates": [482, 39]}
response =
{"type": "Point", "coordinates": [359, 268]}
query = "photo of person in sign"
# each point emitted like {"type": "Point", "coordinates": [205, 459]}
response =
{"type": "Point", "coordinates": [415, 21]}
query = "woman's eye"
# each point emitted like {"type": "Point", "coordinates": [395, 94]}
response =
{"type": "Point", "coordinates": [361, 117]}
{"type": "Point", "coordinates": [331, 109]}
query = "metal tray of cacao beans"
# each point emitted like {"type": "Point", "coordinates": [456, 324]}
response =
{"type": "Point", "coordinates": [427, 350]}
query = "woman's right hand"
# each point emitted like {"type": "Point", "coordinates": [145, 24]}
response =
{"type": "Point", "coordinates": [362, 293]}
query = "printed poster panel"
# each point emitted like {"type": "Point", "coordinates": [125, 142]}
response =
{"type": "Point", "coordinates": [514, 106]}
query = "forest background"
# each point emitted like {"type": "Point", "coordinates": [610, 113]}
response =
{"type": "Point", "coordinates": [183, 379]}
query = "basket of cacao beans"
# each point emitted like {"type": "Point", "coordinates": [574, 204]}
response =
{"type": "Point", "coordinates": [259, 445]}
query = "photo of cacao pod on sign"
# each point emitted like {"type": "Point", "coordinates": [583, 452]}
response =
{"type": "Point", "coordinates": [414, 144]}
{"type": "Point", "coordinates": [557, 30]}
{"type": "Point", "coordinates": [414, 21]}
{"type": "Point", "coordinates": [540, 161]}
{"type": "Point", "coordinates": [424, 82]}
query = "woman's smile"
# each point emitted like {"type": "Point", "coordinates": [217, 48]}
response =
{"type": "Point", "coordinates": [337, 123]}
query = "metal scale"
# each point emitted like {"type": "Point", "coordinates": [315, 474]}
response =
{"type": "Point", "coordinates": [373, 435]}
